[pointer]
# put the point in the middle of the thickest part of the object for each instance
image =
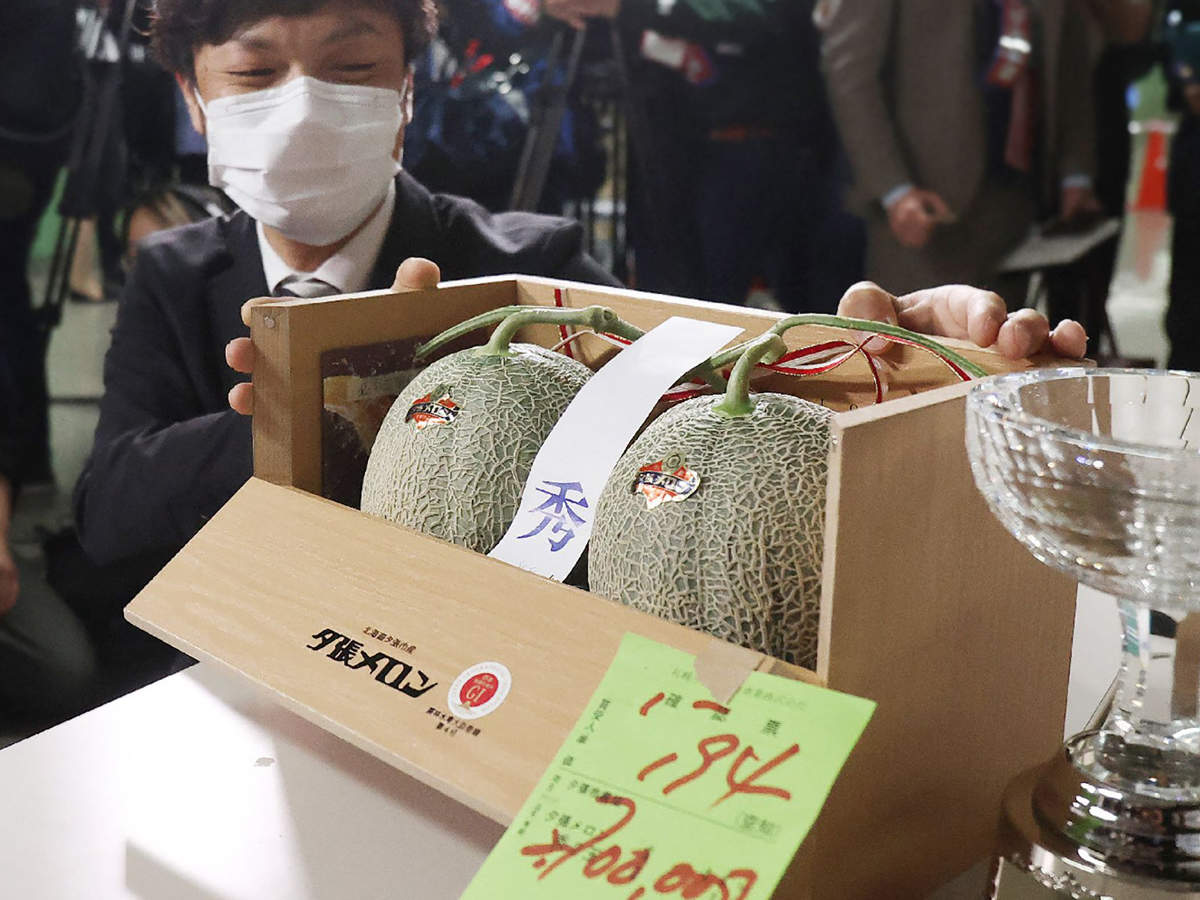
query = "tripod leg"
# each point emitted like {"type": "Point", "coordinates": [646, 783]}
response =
{"type": "Point", "coordinates": [59, 279]}
{"type": "Point", "coordinates": [620, 195]}
{"type": "Point", "coordinates": [544, 128]}
{"type": "Point", "coordinates": [78, 199]}
{"type": "Point", "coordinates": [537, 115]}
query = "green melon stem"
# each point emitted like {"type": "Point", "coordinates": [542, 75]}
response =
{"type": "Point", "coordinates": [863, 325]}
{"type": "Point", "coordinates": [512, 318]}
{"type": "Point", "coordinates": [598, 318]}
{"type": "Point", "coordinates": [737, 401]}
{"type": "Point", "coordinates": [491, 317]}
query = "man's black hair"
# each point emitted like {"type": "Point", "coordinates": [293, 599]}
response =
{"type": "Point", "coordinates": [179, 26]}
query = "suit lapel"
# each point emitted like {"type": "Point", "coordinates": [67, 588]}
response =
{"type": "Point", "coordinates": [413, 231]}
{"type": "Point", "coordinates": [235, 277]}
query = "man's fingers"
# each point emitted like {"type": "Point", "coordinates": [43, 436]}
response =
{"type": "Point", "coordinates": [867, 300]}
{"type": "Point", "coordinates": [911, 221]}
{"type": "Point", "coordinates": [250, 305]}
{"type": "Point", "coordinates": [1069, 339]}
{"type": "Point", "coordinates": [961, 311]}
{"type": "Point", "coordinates": [954, 311]}
{"type": "Point", "coordinates": [1024, 333]}
{"type": "Point", "coordinates": [986, 314]}
{"type": "Point", "coordinates": [239, 355]}
{"type": "Point", "coordinates": [417, 274]}
{"type": "Point", "coordinates": [241, 398]}
{"type": "Point", "coordinates": [933, 202]}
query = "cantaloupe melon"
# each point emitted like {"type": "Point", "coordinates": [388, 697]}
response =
{"type": "Point", "coordinates": [717, 522]}
{"type": "Point", "coordinates": [715, 516]}
{"type": "Point", "coordinates": [454, 452]}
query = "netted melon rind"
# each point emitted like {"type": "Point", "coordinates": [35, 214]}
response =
{"type": "Point", "coordinates": [741, 557]}
{"type": "Point", "coordinates": [462, 481]}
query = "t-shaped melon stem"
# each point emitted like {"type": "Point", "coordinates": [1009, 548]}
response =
{"type": "Point", "coordinates": [764, 348]}
{"type": "Point", "coordinates": [598, 318]}
{"type": "Point", "coordinates": [513, 318]}
{"type": "Point", "coordinates": [746, 356]}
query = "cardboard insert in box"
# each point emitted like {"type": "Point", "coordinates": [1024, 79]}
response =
{"type": "Point", "coordinates": [928, 606]}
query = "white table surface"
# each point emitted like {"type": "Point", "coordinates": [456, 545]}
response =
{"type": "Point", "coordinates": [198, 787]}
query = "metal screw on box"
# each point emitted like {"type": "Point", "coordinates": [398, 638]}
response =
{"type": "Point", "coordinates": [1097, 473]}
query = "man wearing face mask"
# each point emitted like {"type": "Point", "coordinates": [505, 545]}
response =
{"type": "Point", "coordinates": [304, 105]}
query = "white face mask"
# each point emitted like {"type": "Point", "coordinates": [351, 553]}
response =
{"type": "Point", "coordinates": [309, 158]}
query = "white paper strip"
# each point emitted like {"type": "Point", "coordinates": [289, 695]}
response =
{"type": "Point", "coordinates": [555, 520]}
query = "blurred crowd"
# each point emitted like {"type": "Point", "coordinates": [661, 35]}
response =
{"type": "Point", "coordinates": [768, 150]}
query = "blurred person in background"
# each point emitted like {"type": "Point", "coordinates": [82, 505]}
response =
{"type": "Point", "coordinates": [46, 663]}
{"type": "Point", "coordinates": [965, 123]}
{"type": "Point", "coordinates": [476, 93]}
{"type": "Point", "coordinates": [1181, 34]}
{"type": "Point", "coordinates": [741, 177]}
{"type": "Point", "coordinates": [133, 150]}
{"type": "Point", "coordinates": [1128, 52]}
{"type": "Point", "coordinates": [40, 93]}
{"type": "Point", "coordinates": [1125, 52]}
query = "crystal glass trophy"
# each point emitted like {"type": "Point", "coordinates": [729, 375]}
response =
{"type": "Point", "coordinates": [1097, 472]}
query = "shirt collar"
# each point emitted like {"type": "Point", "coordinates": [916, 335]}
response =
{"type": "Point", "coordinates": [349, 269]}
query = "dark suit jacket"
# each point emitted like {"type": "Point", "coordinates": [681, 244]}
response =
{"type": "Point", "coordinates": [168, 450]}
{"type": "Point", "coordinates": [10, 443]}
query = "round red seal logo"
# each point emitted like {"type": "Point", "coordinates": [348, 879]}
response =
{"type": "Point", "coordinates": [479, 690]}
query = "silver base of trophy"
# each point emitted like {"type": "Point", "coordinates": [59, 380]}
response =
{"type": "Point", "coordinates": [1065, 834]}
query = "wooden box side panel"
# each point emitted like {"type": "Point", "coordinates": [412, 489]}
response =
{"type": "Point", "coordinates": [253, 598]}
{"type": "Point", "coordinates": [289, 338]}
{"type": "Point", "coordinates": [934, 611]}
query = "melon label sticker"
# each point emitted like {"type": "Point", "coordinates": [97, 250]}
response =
{"type": "Point", "coordinates": [479, 690]}
{"type": "Point", "coordinates": [666, 481]}
{"type": "Point", "coordinates": [554, 520]}
{"type": "Point", "coordinates": [661, 791]}
{"type": "Point", "coordinates": [432, 409]}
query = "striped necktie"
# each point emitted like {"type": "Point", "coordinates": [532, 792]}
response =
{"type": "Point", "coordinates": [294, 286]}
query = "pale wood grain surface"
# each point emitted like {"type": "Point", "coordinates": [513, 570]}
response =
{"type": "Point", "coordinates": [276, 566]}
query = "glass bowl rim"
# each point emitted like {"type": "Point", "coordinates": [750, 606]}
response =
{"type": "Point", "coordinates": [996, 398]}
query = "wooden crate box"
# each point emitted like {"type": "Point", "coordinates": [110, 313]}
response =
{"type": "Point", "coordinates": [928, 606]}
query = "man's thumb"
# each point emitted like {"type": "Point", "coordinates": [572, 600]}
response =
{"type": "Point", "coordinates": [417, 274]}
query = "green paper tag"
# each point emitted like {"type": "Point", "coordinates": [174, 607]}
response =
{"type": "Point", "coordinates": [659, 791]}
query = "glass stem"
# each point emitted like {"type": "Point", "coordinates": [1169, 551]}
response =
{"type": "Point", "coordinates": [1125, 717]}
{"type": "Point", "coordinates": [1152, 734]}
